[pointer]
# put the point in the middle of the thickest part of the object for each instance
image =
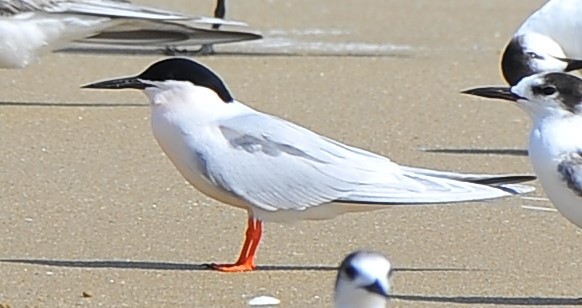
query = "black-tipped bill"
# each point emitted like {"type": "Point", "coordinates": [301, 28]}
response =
{"type": "Point", "coordinates": [120, 83]}
{"type": "Point", "coordinates": [573, 64]}
{"type": "Point", "coordinates": [494, 92]}
{"type": "Point", "coordinates": [377, 288]}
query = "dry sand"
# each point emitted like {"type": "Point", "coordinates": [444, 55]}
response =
{"type": "Point", "coordinates": [90, 204]}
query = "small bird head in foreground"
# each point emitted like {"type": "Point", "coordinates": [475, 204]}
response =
{"type": "Point", "coordinates": [363, 281]}
{"type": "Point", "coordinates": [540, 96]}
{"type": "Point", "coordinates": [534, 53]}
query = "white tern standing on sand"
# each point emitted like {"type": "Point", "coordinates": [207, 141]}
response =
{"type": "Point", "coordinates": [363, 281]}
{"type": "Point", "coordinates": [549, 40]}
{"type": "Point", "coordinates": [29, 28]}
{"type": "Point", "coordinates": [554, 103]}
{"type": "Point", "coordinates": [277, 170]}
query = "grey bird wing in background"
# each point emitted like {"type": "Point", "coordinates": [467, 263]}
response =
{"type": "Point", "coordinates": [107, 8]}
{"type": "Point", "coordinates": [139, 25]}
{"type": "Point", "coordinates": [277, 165]}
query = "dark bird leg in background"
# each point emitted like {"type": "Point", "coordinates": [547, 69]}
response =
{"type": "Point", "coordinates": [219, 12]}
{"type": "Point", "coordinates": [208, 49]}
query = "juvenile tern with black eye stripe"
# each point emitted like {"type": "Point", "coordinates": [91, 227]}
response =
{"type": "Point", "coordinates": [277, 170]}
{"type": "Point", "coordinates": [554, 103]}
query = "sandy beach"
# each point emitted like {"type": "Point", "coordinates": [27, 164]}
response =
{"type": "Point", "coordinates": [91, 205]}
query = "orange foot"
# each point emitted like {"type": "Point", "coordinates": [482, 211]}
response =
{"type": "Point", "coordinates": [233, 268]}
{"type": "Point", "coordinates": [246, 260]}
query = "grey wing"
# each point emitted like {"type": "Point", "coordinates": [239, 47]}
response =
{"type": "Point", "coordinates": [105, 8]}
{"type": "Point", "coordinates": [571, 171]}
{"type": "Point", "coordinates": [267, 170]}
{"type": "Point", "coordinates": [13, 7]}
{"type": "Point", "coordinates": [127, 10]}
{"type": "Point", "coordinates": [113, 9]}
{"type": "Point", "coordinates": [274, 164]}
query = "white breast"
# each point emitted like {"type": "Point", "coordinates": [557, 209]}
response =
{"type": "Point", "coordinates": [187, 142]}
{"type": "Point", "coordinates": [550, 141]}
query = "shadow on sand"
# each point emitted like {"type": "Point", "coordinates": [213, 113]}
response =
{"type": "Point", "coordinates": [493, 300]}
{"type": "Point", "coordinates": [511, 152]}
{"type": "Point", "coordinates": [68, 105]}
{"type": "Point", "coordinates": [471, 300]}
{"type": "Point", "coordinates": [194, 267]}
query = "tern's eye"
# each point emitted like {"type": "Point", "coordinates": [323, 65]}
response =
{"type": "Point", "coordinates": [534, 55]}
{"type": "Point", "coordinates": [549, 90]}
{"type": "Point", "coordinates": [351, 272]}
{"type": "Point", "coordinates": [545, 90]}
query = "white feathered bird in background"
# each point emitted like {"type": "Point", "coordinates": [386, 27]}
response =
{"type": "Point", "coordinates": [29, 28]}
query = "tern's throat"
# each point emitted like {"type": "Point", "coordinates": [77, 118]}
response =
{"type": "Point", "coordinates": [359, 298]}
{"type": "Point", "coordinates": [185, 104]}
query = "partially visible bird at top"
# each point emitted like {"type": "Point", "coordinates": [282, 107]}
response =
{"type": "Point", "coordinates": [549, 40]}
{"type": "Point", "coordinates": [30, 28]}
{"type": "Point", "coordinates": [219, 12]}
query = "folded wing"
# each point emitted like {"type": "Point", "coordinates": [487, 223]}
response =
{"type": "Point", "coordinates": [274, 165]}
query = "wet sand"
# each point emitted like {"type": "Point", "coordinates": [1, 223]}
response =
{"type": "Point", "coordinates": [90, 204]}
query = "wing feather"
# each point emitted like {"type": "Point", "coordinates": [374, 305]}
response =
{"type": "Point", "coordinates": [105, 8]}
{"type": "Point", "coordinates": [277, 165]}
{"type": "Point", "coordinates": [571, 171]}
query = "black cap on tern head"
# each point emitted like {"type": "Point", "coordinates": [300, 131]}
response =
{"type": "Point", "coordinates": [179, 69]}
{"type": "Point", "coordinates": [515, 62]}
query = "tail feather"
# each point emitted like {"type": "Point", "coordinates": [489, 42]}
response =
{"type": "Point", "coordinates": [516, 189]}
{"type": "Point", "coordinates": [503, 179]}
{"type": "Point", "coordinates": [484, 179]}
{"type": "Point", "coordinates": [438, 187]}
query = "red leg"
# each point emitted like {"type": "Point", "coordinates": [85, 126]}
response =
{"type": "Point", "coordinates": [246, 259]}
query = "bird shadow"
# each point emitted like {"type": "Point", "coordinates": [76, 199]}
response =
{"type": "Point", "coordinates": [117, 51]}
{"type": "Point", "coordinates": [510, 152]}
{"type": "Point", "coordinates": [144, 265]}
{"type": "Point", "coordinates": [493, 300]}
{"type": "Point", "coordinates": [69, 105]}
